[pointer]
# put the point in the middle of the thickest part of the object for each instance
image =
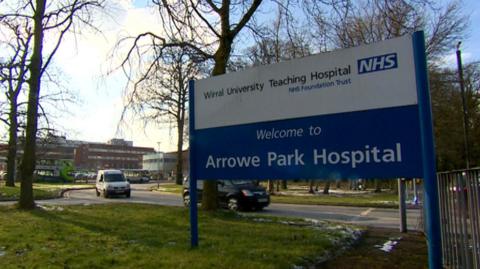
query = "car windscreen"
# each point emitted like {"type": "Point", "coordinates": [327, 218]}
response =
{"type": "Point", "coordinates": [114, 178]}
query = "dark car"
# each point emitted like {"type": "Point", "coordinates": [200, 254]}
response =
{"type": "Point", "coordinates": [233, 194]}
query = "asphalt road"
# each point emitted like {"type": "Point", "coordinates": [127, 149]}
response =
{"type": "Point", "coordinates": [376, 217]}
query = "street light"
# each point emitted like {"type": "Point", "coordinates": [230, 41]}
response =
{"type": "Point", "coordinates": [464, 103]}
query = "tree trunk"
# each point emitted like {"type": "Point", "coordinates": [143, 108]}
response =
{"type": "Point", "coordinates": [392, 186]}
{"type": "Point", "coordinates": [310, 189]}
{"type": "Point", "coordinates": [180, 126]}
{"type": "Point", "coordinates": [377, 185]}
{"type": "Point", "coordinates": [209, 203]}
{"type": "Point", "coordinates": [351, 184]}
{"type": "Point", "coordinates": [270, 187]}
{"type": "Point", "coordinates": [28, 162]}
{"type": "Point", "coordinates": [209, 196]}
{"type": "Point", "coordinates": [326, 188]}
{"type": "Point", "coordinates": [284, 185]}
{"type": "Point", "coordinates": [179, 176]}
{"type": "Point", "coordinates": [12, 145]}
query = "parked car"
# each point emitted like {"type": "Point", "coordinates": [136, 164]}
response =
{"type": "Point", "coordinates": [111, 182]}
{"type": "Point", "coordinates": [233, 194]}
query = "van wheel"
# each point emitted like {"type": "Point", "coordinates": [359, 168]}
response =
{"type": "Point", "coordinates": [105, 195]}
{"type": "Point", "coordinates": [186, 199]}
{"type": "Point", "coordinates": [233, 203]}
{"type": "Point", "coordinates": [128, 195]}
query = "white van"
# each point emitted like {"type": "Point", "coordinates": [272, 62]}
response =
{"type": "Point", "coordinates": [111, 182]}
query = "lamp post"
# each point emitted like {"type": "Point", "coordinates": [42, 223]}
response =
{"type": "Point", "coordinates": [464, 103]}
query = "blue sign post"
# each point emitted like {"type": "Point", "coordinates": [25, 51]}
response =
{"type": "Point", "coordinates": [362, 112]}
{"type": "Point", "coordinates": [428, 156]}
{"type": "Point", "coordinates": [193, 172]}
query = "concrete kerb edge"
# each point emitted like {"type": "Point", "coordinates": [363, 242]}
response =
{"type": "Point", "coordinates": [63, 191]}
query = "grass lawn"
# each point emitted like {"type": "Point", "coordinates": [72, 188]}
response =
{"type": "Point", "coordinates": [169, 187]}
{"type": "Point", "coordinates": [384, 200]}
{"type": "Point", "coordinates": [292, 196]}
{"type": "Point", "coordinates": [40, 190]}
{"type": "Point", "coordinates": [148, 236]}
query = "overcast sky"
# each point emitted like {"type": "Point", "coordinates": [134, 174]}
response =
{"type": "Point", "coordinates": [85, 61]}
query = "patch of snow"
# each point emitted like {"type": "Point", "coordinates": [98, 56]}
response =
{"type": "Point", "coordinates": [261, 220]}
{"type": "Point", "coordinates": [384, 202]}
{"type": "Point", "coordinates": [387, 246]}
{"type": "Point", "coordinates": [50, 208]}
{"type": "Point", "coordinates": [44, 207]}
{"type": "Point", "coordinates": [342, 236]}
{"type": "Point", "coordinates": [313, 221]}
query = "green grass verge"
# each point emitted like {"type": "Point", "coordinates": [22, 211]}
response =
{"type": "Point", "coordinates": [61, 186]}
{"type": "Point", "coordinates": [41, 191]}
{"type": "Point", "coordinates": [148, 236]}
{"type": "Point", "coordinates": [169, 188]}
{"type": "Point", "coordinates": [384, 200]}
{"type": "Point", "coordinates": [13, 193]}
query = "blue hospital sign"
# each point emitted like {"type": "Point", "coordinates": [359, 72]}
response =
{"type": "Point", "coordinates": [362, 112]}
{"type": "Point", "coordinates": [345, 114]}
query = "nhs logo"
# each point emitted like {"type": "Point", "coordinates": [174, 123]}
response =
{"type": "Point", "coordinates": [377, 63]}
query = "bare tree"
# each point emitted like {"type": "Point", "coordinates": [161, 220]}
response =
{"type": "Point", "coordinates": [448, 115]}
{"type": "Point", "coordinates": [284, 39]}
{"type": "Point", "coordinates": [57, 21]}
{"type": "Point", "coordinates": [352, 23]}
{"type": "Point", "coordinates": [207, 29]}
{"type": "Point", "coordinates": [13, 75]}
{"type": "Point", "coordinates": [161, 94]}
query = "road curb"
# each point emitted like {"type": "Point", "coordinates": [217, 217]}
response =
{"type": "Point", "coordinates": [63, 191]}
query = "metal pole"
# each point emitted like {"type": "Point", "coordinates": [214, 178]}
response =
{"type": "Point", "coordinates": [464, 104]}
{"type": "Point", "coordinates": [428, 154]}
{"type": "Point", "coordinates": [402, 205]}
{"type": "Point", "coordinates": [193, 174]}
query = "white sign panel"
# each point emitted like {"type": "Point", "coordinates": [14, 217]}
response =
{"type": "Point", "coordinates": [361, 78]}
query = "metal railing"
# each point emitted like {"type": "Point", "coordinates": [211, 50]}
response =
{"type": "Point", "coordinates": [459, 193]}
